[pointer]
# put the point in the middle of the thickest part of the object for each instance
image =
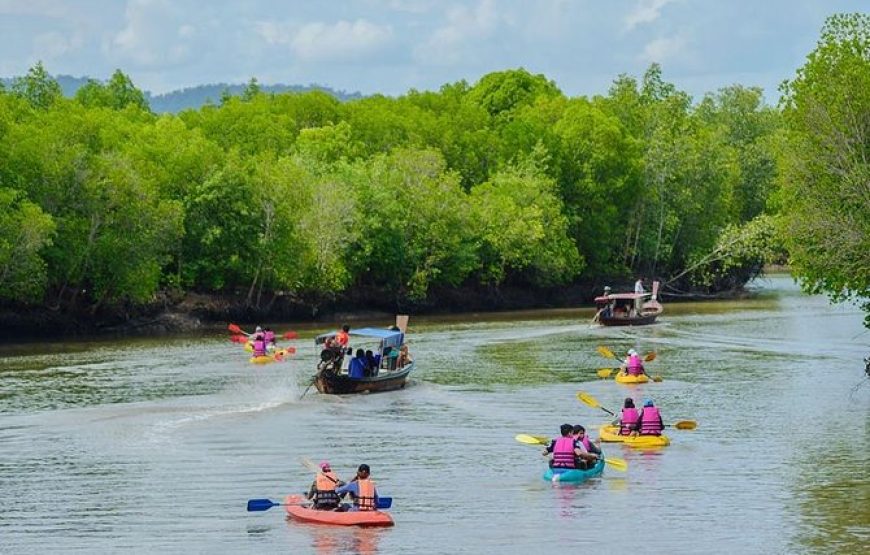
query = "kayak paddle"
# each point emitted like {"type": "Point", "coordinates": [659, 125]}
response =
{"type": "Point", "coordinates": [266, 504]}
{"type": "Point", "coordinates": [684, 425]}
{"type": "Point", "coordinates": [236, 329]}
{"type": "Point", "coordinates": [602, 350]}
{"type": "Point", "coordinates": [618, 464]}
{"type": "Point", "coordinates": [605, 372]}
{"type": "Point", "coordinates": [587, 399]}
{"type": "Point", "coordinates": [290, 335]}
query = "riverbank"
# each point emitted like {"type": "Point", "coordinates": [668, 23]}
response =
{"type": "Point", "coordinates": [174, 313]}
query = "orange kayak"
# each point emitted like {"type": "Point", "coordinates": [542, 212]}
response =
{"type": "Point", "coordinates": [335, 518]}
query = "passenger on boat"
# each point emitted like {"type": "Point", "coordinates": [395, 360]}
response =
{"type": "Point", "coordinates": [362, 490]}
{"type": "Point", "coordinates": [629, 418]}
{"type": "Point", "coordinates": [322, 490]}
{"type": "Point", "coordinates": [650, 420]}
{"type": "Point", "coordinates": [632, 365]}
{"type": "Point", "coordinates": [591, 451]}
{"type": "Point", "coordinates": [357, 367]}
{"type": "Point", "coordinates": [564, 449]}
{"type": "Point", "coordinates": [404, 357]}
{"type": "Point", "coordinates": [638, 286]}
{"type": "Point", "coordinates": [373, 362]}
{"type": "Point", "coordinates": [342, 337]}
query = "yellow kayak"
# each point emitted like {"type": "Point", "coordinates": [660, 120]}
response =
{"type": "Point", "coordinates": [629, 379]}
{"type": "Point", "coordinates": [611, 434]}
{"type": "Point", "coordinates": [273, 357]}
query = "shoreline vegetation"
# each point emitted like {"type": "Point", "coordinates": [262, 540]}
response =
{"type": "Point", "coordinates": [505, 193]}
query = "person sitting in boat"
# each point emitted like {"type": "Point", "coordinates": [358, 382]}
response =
{"type": "Point", "coordinates": [591, 452]}
{"type": "Point", "coordinates": [404, 357]}
{"type": "Point", "coordinates": [632, 366]}
{"type": "Point", "coordinates": [269, 336]}
{"type": "Point", "coordinates": [342, 337]}
{"type": "Point", "coordinates": [322, 491]}
{"type": "Point", "coordinates": [564, 449]}
{"type": "Point", "coordinates": [357, 367]}
{"type": "Point", "coordinates": [373, 362]}
{"type": "Point", "coordinates": [650, 423]}
{"type": "Point", "coordinates": [259, 343]}
{"type": "Point", "coordinates": [629, 418]}
{"type": "Point", "coordinates": [362, 490]}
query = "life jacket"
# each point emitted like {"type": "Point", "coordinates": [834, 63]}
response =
{"type": "Point", "coordinates": [634, 367]}
{"type": "Point", "coordinates": [365, 501]}
{"type": "Point", "coordinates": [342, 338]}
{"type": "Point", "coordinates": [586, 443]}
{"type": "Point", "coordinates": [629, 420]}
{"type": "Point", "coordinates": [269, 336]}
{"type": "Point", "coordinates": [259, 346]}
{"type": "Point", "coordinates": [650, 421]}
{"type": "Point", "coordinates": [563, 453]}
{"type": "Point", "coordinates": [324, 489]}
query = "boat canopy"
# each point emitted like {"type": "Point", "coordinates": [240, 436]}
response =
{"type": "Point", "coordinates": [390, 338]}
{"type": "Point", "coordinates": [621, 297]}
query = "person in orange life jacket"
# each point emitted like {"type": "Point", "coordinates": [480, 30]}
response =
{"type": "Point", "coordinates": [591, 452]}
{"type": "Point", "coordinates": [357, 367]}
{"type": "Point", "coordinates": [650, 420]}
{"type": "Point", "coordinates": [322, 490]}
{"type": "Point", "coordinates": [564, 449]}
{"type": "Point", "coordinates": [342, 337]}
{"type": "Point", "coordinates": [362, 490]}
{"type": "Point", "coordinates": [632, 365]}
{"type": "Point", "coordinates": [629, 418]}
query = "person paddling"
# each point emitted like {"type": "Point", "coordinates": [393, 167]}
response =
{"type": "Point", "coordinates": [362, 490]}
{"type": "Point", "coordinates": [650, 420]}
{"type": "Point", "coordinates": [322, 491]}
{"type": "Point", "coordinates": [564, 449]}
{"type": "Point", "coordinates": [269, 338]}
{"type": "Point", "coordinates": [633, 366]}
{"type": "Point", "coordinates": [591, 452]}
{"type": "Point", "coordinates": [259, 343]}
{"type": "Point", "coordinates": [629, 418]}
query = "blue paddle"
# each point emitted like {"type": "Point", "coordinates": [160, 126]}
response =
{"type": "Point", "coordinates": [266, 504]}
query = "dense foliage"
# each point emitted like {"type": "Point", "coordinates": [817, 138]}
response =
{"type": "Point", "coordinates": [507, 181]}
{"type": "Point", "coordinates": [826, 163]}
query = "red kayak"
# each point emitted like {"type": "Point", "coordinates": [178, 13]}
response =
{"type": "Point", "coordinates": [347, 518]}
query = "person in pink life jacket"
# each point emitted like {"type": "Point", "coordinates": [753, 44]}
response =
{"type": "Point", "coordinates": [629, 418]}
{"type": "Point", "coordinates": [591, 451]}
{"type": "Point", "coordinates": [269, 338]}
{"type": "Point", "coordinates": [259, 343]}
{"type": "Point", "coordinates": [633, 366]}
{"type": "Point", "coordinates": [564, 449]}
{"type": "Point", "coordinates": [650, 423]}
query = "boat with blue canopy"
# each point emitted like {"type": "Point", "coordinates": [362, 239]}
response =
{"type": "Point", "coordinates": [342, 371]}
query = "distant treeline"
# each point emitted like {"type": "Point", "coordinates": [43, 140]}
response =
{"type": "Point", "coordinates": [504, 181]}
{"type": "Point", "coordinates": [193, 97]}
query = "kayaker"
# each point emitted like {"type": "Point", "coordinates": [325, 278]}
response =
{"type": "Point", "coordinates": [269, 337]}
{"type": "Point", "coordinates": [591, 451]}
{"type": "Point", "coordinates": [629, 418]}
{"type": "Point", "coordinates": [564, 449]}
{"type": "Point", "coordinates": [357, 368]}
{"type": "Point", "coordinates": [259, 343]}
{"type": "Point", "coordinates": [322, 490]}
{"type": "Point", "coordinates": [650, 420]}
{"type": "Point", "coordinates": [633, 366]}
{"type": "Point", "coordinates": [362, 490]}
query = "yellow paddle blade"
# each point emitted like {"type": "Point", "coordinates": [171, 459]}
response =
{"type": "Point", "coordinates": [605, 352]}
{"type": "Point", "coordinates": [532, 440]}
{"type": "Point", "coordinates": [686, 425]}
{"type": "Point", "coordinates": [618, 464]}
{"type": "Point", "coordinates": [588, 399]}
{"type": "Point", "coordinates": [649, 357]}
{"type": "Point", "coordinates": [657, 379]}
{"type": "Point", "coordinates": [604, 372]}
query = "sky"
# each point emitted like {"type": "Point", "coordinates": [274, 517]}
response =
{"type": "Point", "coordinates": [392, 46]}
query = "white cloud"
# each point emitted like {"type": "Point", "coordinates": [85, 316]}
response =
{"type": "Point", "coordinates": [153, 35]}
{"type": "Point", "coordinates": [53, 44]}
{"type": "Point", "coordinates": [664, 49]}
{"type": "Point", "coordinates": [645, 11]}
{"type": "Point", "coordinates": [446, 44]}
{"type": "Point", "coordinates": [318, 42]}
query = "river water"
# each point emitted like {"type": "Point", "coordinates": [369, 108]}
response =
{"type": "Point", "coordinates": [156, 445]}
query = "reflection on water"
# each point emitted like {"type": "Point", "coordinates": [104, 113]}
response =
{"type": "Point", "coordinates": [155, 445]}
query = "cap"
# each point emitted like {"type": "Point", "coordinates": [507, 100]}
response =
{"type": "Point", "coordinates": [324, 465]}
{"type": "Point", "coordinates": [363, 467]}
{"type": "Point", "coordinates": [647, 402]}
{"type": "Point", "coordinates": [632, 352]}
{"type": "Point", "coordinates": [259, 329]}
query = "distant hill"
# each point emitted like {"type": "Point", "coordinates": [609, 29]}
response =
{"type": "Point", "coordinates": [195, 97]}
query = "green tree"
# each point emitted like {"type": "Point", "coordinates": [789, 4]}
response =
{"type": "Point", "coordinates": [24, 231]}
{"type": "Point", "coordinates": [117, 94]}
{"type": "Point", "coordinates": [824, 166]}
{"type": "Point", "coordinates": [37, 87]}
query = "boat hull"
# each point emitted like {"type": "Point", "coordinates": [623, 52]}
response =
{"type": "Point", "coordinates": [642, 320]}
{"type": "Point", "coordinates": [628, 379]}
{"type": "Point", "coordinates": [574, 476]}
{"type": "Point", "coordinates": [328, 382]}
{"type": "Point", "coordinates": [610, 434]}
{"type": "Point", "coordinates": [334, 518]}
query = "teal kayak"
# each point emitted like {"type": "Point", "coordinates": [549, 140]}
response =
{"type": "Point", "coordinates": [574, 476]}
